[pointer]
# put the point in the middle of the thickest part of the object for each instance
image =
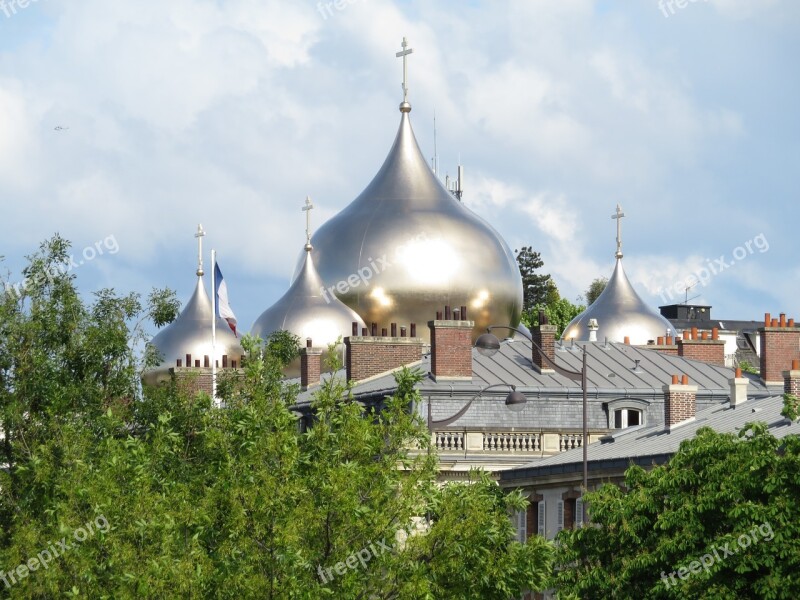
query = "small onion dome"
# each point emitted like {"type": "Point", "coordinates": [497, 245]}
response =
{"type": "Point", "coordinates": [405, 248]}
{"type": "Point", "coordinates": [308, 310]}
{"type": "Point", "coordinates": [620, 313]}
{"type": "Point", "coordinates": [190, 334]}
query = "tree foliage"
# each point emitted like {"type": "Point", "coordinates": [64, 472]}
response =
{"type": "Point", "coordinates": [719, 521]}
{"type": "Point", "coordinates": [240, 502]}
{"type": "Point", "coordinates": [595, 289]}
{"type": "Point", "coordinates": [538, 289]}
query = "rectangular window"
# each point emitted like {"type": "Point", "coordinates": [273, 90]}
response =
{"type": "Point", "coordinates": [560, 515]}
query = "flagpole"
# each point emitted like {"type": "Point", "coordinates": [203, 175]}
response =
{"type": "Point", "coordinates": [214, 327]}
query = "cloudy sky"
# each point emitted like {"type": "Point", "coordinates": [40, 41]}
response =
{"type": "Point", "coordinates": [128, 123]}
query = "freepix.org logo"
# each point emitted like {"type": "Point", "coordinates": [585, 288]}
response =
{"type": "Point", "coordinates": [374, 266]}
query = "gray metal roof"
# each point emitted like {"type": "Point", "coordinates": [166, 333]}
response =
{"type": "Point", "coordinates": [654, 444]}
{"type": "Point", "coordinates": [610, 372]}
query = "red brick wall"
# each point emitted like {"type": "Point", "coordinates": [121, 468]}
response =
{"type": "Point", "coordinates": [451, 349]}
{"type": "Point", "coordinates": [670, 350]}
{"type": "Point", "coordinates": [310, 367]}
{"type": "Point", "coordinates": [545, 337]}
{"type": "Point", "coordinates": [370, 356]}
{"type": "Point", "coordinates": [791, 384]}
{"type": "Point", "coordinates": [779, 346]}
{"type": "Point", "coordinates": [709, 351]}
{"type": "Point", "coordinates": [679, 403]}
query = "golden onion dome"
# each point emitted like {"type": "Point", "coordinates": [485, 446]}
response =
{"type": "Point", "coordinates": [190, 333]}
{"type": "Point", "coordinates": [308, 310]}
{"type": "Point", "coordinates": [405, 248]}
{"type": "Point", "coordinates": [619, 311]}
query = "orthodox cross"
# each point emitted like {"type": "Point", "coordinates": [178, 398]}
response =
{"type": "Point", "coordinates": [200, 235]}
{"type": "Point", "coordinates": [618, 216]}
{"type": "Point", "coordinates": [307, 209]}
{"type": "Point", "coordinates": [404, 53]}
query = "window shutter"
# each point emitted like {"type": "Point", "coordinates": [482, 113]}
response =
{"type": "Point", "coordinates": [522, 525]}
{"type": "Point", "coordinates": [560, 510]}
{"type": "Point", "coordinates": [579, 512]}
{"type": "Point", "coordinates": [540, 510]}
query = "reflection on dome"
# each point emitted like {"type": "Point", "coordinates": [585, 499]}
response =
{"type": "Point", "coordinates": [308, 310]}
{"type": "Point", "coordinates": [414, 248]}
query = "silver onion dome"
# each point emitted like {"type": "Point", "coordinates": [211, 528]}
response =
{"type": "Point", "coordinates": [405, 248]}
{"type": "Point", "coordinates": [190, 333]}
{"type": "Point", "coordinates": [620, 313]}
{"type": "Point", "coordinates": [308, 310]}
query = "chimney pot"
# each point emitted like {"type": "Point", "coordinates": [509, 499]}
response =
{"type": "Point", "coordinates": [308, 342]}
{"type": "Point", "coordinates": [355, 329]}
{"type": "Point", "coordinates": [224, 361]}
{"type": "Point", "coordinates": [674, 380]}
{"type": "Point", "coordinates": [447, 314]}
{"type": "Point", "coordinates": [791, 323]}
{"type": "Point", "coordinates": [413, 330]}
{"type": "Point", "coordinates": [627, 341]}
{"type": "Point", "coordinates": [394, 329]}
{"type": "Point", "coordinates": [738, 373]}
{"type": "Point", "coordinates": [694, 333]}
{"type": "Point", "coordinates": [402, 332]}
{"type": "Point", "coordinates": [206, 362]}
{"type": "Point", "coordinates": [783, 320]}
{"type": "Point", "coordinates": [774, 322]}
{"type": "Point", "coordinates": [715, 333]}
{"type": "Point", "coordinates": [704, 335]}
{"type": "Point", "coordinates": [767, 319]}
{"type": "Point", "coordinates": [463, 313]}
{"type": "Point", "coordinates": [374, 330]}
{"type": "Point", "coordinates": [795, 365]}
{"type": "Point", "coordinates": [660, 341]}
{"type": "Point", "coordinates": [364, 332]}
{"type": "Point", "coordinates": [669, 340]}
{"type": "Point", "coordinates": [188, 360]}
{"type": "Point", "coordinates": [178, 363]}
{"type": "Point", "coordinates": [197, 363]}
{"type": "Point", "coordinates": [684, 379]}
{"type": "Point", "coordinates": [384, 333]}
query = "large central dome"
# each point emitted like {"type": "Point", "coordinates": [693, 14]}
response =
{"type": "Point", "coordinates": [406, 247]}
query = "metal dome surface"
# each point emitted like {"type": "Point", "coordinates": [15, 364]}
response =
{"type": "Point", "coordinates": [405, 248]}
{"type": "Point", "coordinates": [190, 333]}
{"type": "Point", "coordinates": [308, 311]}
{"type": "Point", "coordinates": [620, 313]}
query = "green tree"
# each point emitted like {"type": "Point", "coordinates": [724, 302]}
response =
{"type": "Point", "coordinates": [559, 313]}
{"type": "Point", "coordinates": [718, 521]}
{"type": "Point", "coordinates": [187, 501]}
{"type": "Point", "coordinates": [538, 289]}
{"type": "Point", "coordinates": [595, 289]}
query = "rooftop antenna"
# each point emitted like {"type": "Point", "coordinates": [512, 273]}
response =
{"type": "Point", "coordinates": [435, 151]}
{"type": "Point", "coordinates": [686, 291]}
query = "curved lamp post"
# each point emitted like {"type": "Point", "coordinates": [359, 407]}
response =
{"type": "Point", "coordinates": [515, 401]}
{"type": "Point", "coordinates": [488, 343]}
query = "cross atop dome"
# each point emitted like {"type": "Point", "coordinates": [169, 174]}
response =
{"type": "Point", "coordinates": [200, 235]}
{"type": "Point", "coordinates": [405, 106]}
{"type": "Point", "coordinates": [618, 216]}
{"type": "Point", "coordinates": [307, 209]}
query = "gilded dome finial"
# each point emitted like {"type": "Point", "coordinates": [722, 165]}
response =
{"type": "Point", "coordinates": [200, 235]}
{"type": "Point", "coordinates": [405, 106]}
{"type": "Point", "coordinates": [307, 209]}
{"type": "Point", "coordinates": [618, 216]}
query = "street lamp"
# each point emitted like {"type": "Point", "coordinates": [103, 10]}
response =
{"type": "Point", "coordinates": [488, 343]}
{"type": "Point", "coordinates": [515, 401]}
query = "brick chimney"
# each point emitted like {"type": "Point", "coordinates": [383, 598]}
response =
{"type": "Point", "coordinates": [310, 366]}
{"type": "Point", "coordinates": [791, 379]}
{"type": "Point", "coordinates": [709, 349]}
{"type": "Point", "coordinates": [372, 355]}
{"type": "Point", "coordinates": [780, 345]}
{"type": "Point", "coordinates": [451, 346]}
{"type": "Point", "coordinates": [680, 402]}
{"type": "Point", "coordinates": [738, 389]}
{"type": "Point", "coordinates": [545, 337]}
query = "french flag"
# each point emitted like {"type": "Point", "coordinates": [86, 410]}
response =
{"type": "Point", "coordinates": [223, 306]}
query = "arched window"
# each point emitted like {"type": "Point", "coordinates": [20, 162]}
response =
{"type": "Point", "coordinates": [627, 412]}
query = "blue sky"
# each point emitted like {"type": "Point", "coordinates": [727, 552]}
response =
{"type": "Point", "coordinates": [230, 112]}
